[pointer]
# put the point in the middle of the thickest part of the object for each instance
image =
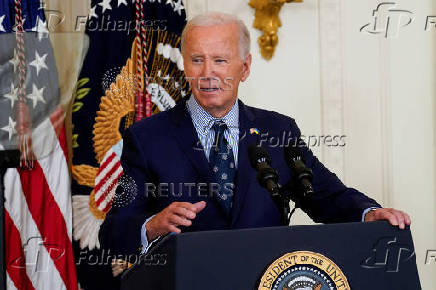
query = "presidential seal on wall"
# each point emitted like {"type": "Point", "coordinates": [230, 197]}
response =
{"type": "Point", "coordinates": [303, 270]}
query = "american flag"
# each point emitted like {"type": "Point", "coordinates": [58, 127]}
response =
{"type": "Point", "coordinates": [38, 219]}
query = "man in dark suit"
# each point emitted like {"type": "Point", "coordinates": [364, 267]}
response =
{"type": "Point", "coordinates": [191, 164]}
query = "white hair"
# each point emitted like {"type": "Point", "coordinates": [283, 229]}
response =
{"type": "Point", "coordinates": [219, 18]}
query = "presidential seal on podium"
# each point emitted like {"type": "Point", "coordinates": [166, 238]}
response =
{"type": "Point", "coordinates": [303, 270]}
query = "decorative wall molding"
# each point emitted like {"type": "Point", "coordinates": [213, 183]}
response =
{"type": "Point", "coordinates": [331, 76]}
{"type": "Point", "coordinates": [332, 94]}
{"type": "Point", "coordinates": [386, 122]}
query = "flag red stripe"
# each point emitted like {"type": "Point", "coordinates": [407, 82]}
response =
{"type": "Point", "coordinates": [57, 121]}
{"type": "Point", "coordinates": [15, 258]}
{"type": "Point", "coordinates": [106, 176]}
{"type": "Point", "coordinates": [50, 222]}
{"type": "Point", "coordinates": [114, 182]}
{"type": "Point", "coordinates": [108, 206]}
{"type": "Point", "coordinates": [100, 170]}
{"type": "Point", "coordinates": [107, 161]}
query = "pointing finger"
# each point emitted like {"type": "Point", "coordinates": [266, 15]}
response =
{"type": "Point", "coordinates": [199, 206]}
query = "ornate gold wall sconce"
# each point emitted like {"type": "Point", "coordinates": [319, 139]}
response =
{"type": "Point", "coordinates": [266, 19]}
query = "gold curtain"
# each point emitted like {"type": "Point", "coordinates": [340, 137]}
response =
{"type": "Point", "coordinates": [68, 45]}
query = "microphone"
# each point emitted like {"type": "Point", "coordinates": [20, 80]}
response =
{"type": "Point", "coordinates": [303, 174]}
{"type": "Point", "coordinates": [267, 176]}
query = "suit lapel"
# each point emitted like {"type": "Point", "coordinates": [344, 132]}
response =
{"type": "Point", "coordinates": [187, 138]}
{"type": "Point", "coordinates": [185, 134]}
{"type": "Point", "coordinates": [243, 180]}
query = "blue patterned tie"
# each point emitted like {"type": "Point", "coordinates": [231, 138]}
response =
{"type": "Point", "coordinates": [222, 163]}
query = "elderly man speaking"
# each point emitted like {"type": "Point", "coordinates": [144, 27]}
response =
{"type": "Point", "coordinates": [191, 163]}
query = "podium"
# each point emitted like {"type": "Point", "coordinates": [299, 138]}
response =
{"type": "Point", "coordinates": [354, 256]}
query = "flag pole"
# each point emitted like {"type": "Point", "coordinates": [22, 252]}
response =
{"type": "Point", "coordinates": [2, 232]}
{"type": "Point", "coordinates": [8, 159]}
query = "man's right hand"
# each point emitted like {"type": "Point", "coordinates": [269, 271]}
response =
{"type": "Point", "coordinates": [168, 220]}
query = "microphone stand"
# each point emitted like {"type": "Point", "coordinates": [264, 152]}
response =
{"type": "Point", "coordinates": [282, 202]}
{"type": "Point", "coordinates": [295, 190]}
{"type": "Point", "coordinates": [8, 159]}
{"type": "Point", "coordinates": [298, 192]}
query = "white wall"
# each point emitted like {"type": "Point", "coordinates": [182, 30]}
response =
{"type": "Point", "coordinates": [413, 88]}
{"type": "Point", "coordinates": [334, 79]}
{"type": "Point", "coordinates": [389, 92]}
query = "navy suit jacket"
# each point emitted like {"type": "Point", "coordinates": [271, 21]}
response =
{"type": "Point", "coordinates": [165, 149]}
